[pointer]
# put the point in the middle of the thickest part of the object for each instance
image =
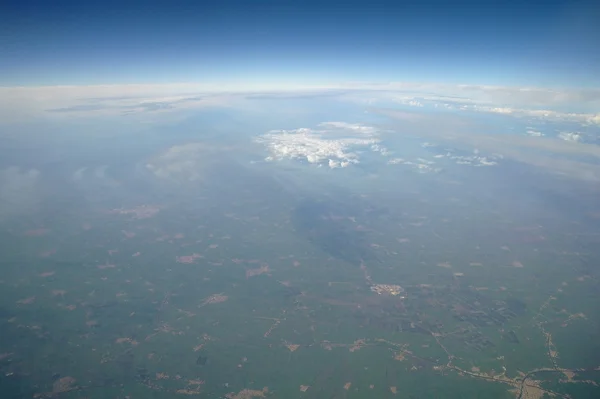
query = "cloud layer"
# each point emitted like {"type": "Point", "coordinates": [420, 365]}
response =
{"type": "Point", "coordinates": [567, 104]}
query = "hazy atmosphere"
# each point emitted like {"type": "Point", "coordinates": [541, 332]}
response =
{"type": "Point", "coordinates": [335, 200]}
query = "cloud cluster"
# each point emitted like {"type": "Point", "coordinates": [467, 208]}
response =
{"type": "Point", "coordinates": [576, 159]}
{"type": "Point", "coordinates": [420, 165]}
{"type": "Point", "coordinates": [332, 145]}
{"type": "Point", "coordinates": [445, 155]}
{"type": "Point", "coordinates": [476, 158]}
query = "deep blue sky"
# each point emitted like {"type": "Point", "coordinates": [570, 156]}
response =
{"type": "Point", "coordinates": [548, 43]}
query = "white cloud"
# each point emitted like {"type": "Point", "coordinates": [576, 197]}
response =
{"type": "Point", "coordinates": [316, 146]}
{"type": "Point", "coordinates": [420, 165]}
{"type": "Point", "coordinates": [594, 119]}
{"type": "Point", "coordinates": [587, 100]}
{"type": "Point", "coordinates": [534, 102]}
{"type": "Point", "coordinates": [582, 118]}
{"type": "Point", "coordinates": [183, 163]}
{"type": "Point", "coordinates": [480, 105]}
{"type": "Point", "coordinates": [475, 160]}
{"type": "Point", "coordinates": [100, 172]}
{"type": "Point", "coordinates": [381, 149]}
{"type": "Point", "coordinates": [534, 133]}
{"type": "Point", "coordinates": [395, 161]}
{"type": "Point", "coordinates": [78, 174]}
{"type": "Point", "coordinates": [18, 191]}
{"type": "Point", "coordinates": [366, 130]}
{"type": "Point", "coordinates": [570, 136]}
{"type": "Point", "coordinates": [411, 101]}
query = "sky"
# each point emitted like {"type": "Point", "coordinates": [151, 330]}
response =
{"type": "Point", "coordinates": [551, 43]}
